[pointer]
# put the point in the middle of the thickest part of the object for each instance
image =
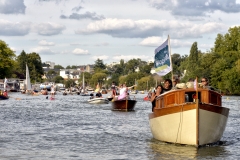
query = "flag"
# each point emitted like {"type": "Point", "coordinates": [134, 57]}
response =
{"type": "Point", "coordinates": [195, 83]}
{"type": "Point", "coordinates": [162, 61]}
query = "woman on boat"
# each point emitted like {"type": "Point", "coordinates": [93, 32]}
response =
{"type": "Point", "coordinates": [52, 91]}
{"type": "Point", "coordinates": [155, 94]}
{"type": "Point", "coordinates": [205, 83]}
{"type": "Point", "coordinates": [167, 85]}
{"type": "Point", "coordinates": [123, 92]}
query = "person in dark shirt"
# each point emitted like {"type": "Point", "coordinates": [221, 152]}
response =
{"type": "Point", "coordinates": [98, 94]}
{"type": "Point", "coordinates": [155, 94]}
{"type": "Point", "coordinates": [167, 85]}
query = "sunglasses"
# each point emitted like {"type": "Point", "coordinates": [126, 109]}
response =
{"type": "Point", "coordinates": [203, 81]}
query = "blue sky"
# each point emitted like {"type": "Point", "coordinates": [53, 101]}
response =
{"type": "Point", "coordinates": [77, 32]}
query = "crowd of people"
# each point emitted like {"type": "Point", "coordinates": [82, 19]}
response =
{"type": "Point", "coordinates": [169, 85]}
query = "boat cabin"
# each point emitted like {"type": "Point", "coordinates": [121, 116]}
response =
{"type": "Point", "coordinates": [182, 96]}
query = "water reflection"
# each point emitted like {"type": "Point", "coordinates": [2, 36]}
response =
{"type": "Point", "coordinates": [162, 150]}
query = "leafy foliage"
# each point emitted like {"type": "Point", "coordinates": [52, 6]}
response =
{"type": "Point", "coordinates": [6, 60]}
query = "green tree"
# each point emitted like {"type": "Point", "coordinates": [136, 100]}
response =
{"type": "Point", "coordinates": [21, 62]}
{"type": "Point", "coordinates": [87, 78]}
{"type": "Point", "coordinates": [58, 66]}
{"type": "Point", "coordinates": [131, 65]}
{"type": "Point", "coordinates": [98, 77]}
{"type": "Point", "coordinates": [6, 60]}
{"type": "Point", "coordinates": [35, 66]}
{"type": "Point", "coordinates": [58, 79]}
{"type": "Point", "coordinates": [99, 65]}
{"type": "Point", "coordinates": [145, 83]}
{"type": "Point", "coordinates": [69, 83]}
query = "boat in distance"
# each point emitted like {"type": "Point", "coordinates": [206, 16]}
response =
{"type": "Point", "coordinates": [187, 116]}
{"type": "Point", "coordinates": [2, 97]}
{"type": "Point", "coordinates": [124, 105]}
{"type": "Point", "coordinates": [99, 100]}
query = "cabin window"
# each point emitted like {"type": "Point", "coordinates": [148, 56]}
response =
{"type": "Point", "coordinates": [191, 96]}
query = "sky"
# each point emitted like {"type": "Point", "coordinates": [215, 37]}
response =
{"type": "Point", "coordinates": [78, 32]}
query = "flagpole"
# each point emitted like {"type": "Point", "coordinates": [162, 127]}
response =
{"type": "Point", "coordinates": [169, 49]}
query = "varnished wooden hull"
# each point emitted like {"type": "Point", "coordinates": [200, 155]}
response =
{"type": "Point", "coordinates": [189, 123]}
{"type": "Point", "coordinates": [123, 105]}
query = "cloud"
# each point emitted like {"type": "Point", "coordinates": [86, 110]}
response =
{"type": "Point", "coordinates": [128, 57]}
{"type": "Point", "coordinates": [48, 28]}
{"type": "Point", "coordinates": [12, 7]}
{"type": "Point", "coordinates": [157, 41]}
{"type": "Point", "coordinates": [175, 43]}
{"type": "Point", "coordinates": [126, 28]}
{"type": "Point", "coordinates": [8, 28]}
{"type": "Point", "coordinates": [78, 8]}
{"type": "Point", "coordinates": [42, 51]}
{"type": "Point", "coordinates": [103, 57]}
{"type": "Point", "coordinates": [195, 7]}
{"type": "Point", "coordinates": [87, 15]}
{"type": "Point", "coordinates": [102, 44]}
{"type": "Point", "coordinates": [79, 51]}
{"type": "Point", "coordinates": [45, 43]}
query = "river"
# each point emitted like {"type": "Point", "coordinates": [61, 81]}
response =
{"type": "Point", "coordinates": [33, 127]}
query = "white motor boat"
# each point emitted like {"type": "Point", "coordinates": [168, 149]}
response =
{"type": "Point", "coordinates": [98, 101]}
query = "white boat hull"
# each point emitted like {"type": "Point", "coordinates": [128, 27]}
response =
{"type": "Point", "coordinates": [98, 101]}
{"type": "Point", "coordinates": [189, 127]}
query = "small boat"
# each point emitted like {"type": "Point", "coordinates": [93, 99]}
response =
{"type": "Point", "coordinates": [189, 116]}
{"type": "Point", "coordinates": [146, 98]}
{"type": "Point", "coordinates": [2, 97]}
{"type": "Point", "coordinates": [110, 98]}
{"type": "Point", "coordinates": [98, 100]}
{"type": "Point", "coordinates": [123, 105]}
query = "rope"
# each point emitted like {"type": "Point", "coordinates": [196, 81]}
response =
{"type": "Point", "coordinates": [180, 122]}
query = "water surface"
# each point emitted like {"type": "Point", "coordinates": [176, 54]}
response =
{"type": "Point", "coordinates": [33, 127]}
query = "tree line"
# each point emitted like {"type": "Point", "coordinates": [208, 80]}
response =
{"type": "Point", "coordinates": [221, 65]}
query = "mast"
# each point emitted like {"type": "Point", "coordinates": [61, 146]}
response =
{"type": "Point", "coordinates": [83, 83]}
{"type": "Point", "coordinates": [169, 49]}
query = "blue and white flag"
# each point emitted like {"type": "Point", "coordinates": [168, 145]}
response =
{"type": "Point", "coordinates": [162, 61]}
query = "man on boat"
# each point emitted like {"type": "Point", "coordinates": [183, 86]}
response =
{"type": "Point", "coordinates": [98, 94]}
{"type": "Point", "coordinates": [91, 95]}
{"type": "Point", "coordinates": [113, 87]}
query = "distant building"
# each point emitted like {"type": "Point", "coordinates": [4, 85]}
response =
{"type": "Point", "coordinates": [86, 68]}
{"type": "Point", "coordinates": [70, 74]}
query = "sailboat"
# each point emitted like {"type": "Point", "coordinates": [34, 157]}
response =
{"type": "Point", "coordinates": [28, 82]}
{"type": "Point", "coordinates": [4, 95]}
{"type": "Point", "coordinates": [83, 92]}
